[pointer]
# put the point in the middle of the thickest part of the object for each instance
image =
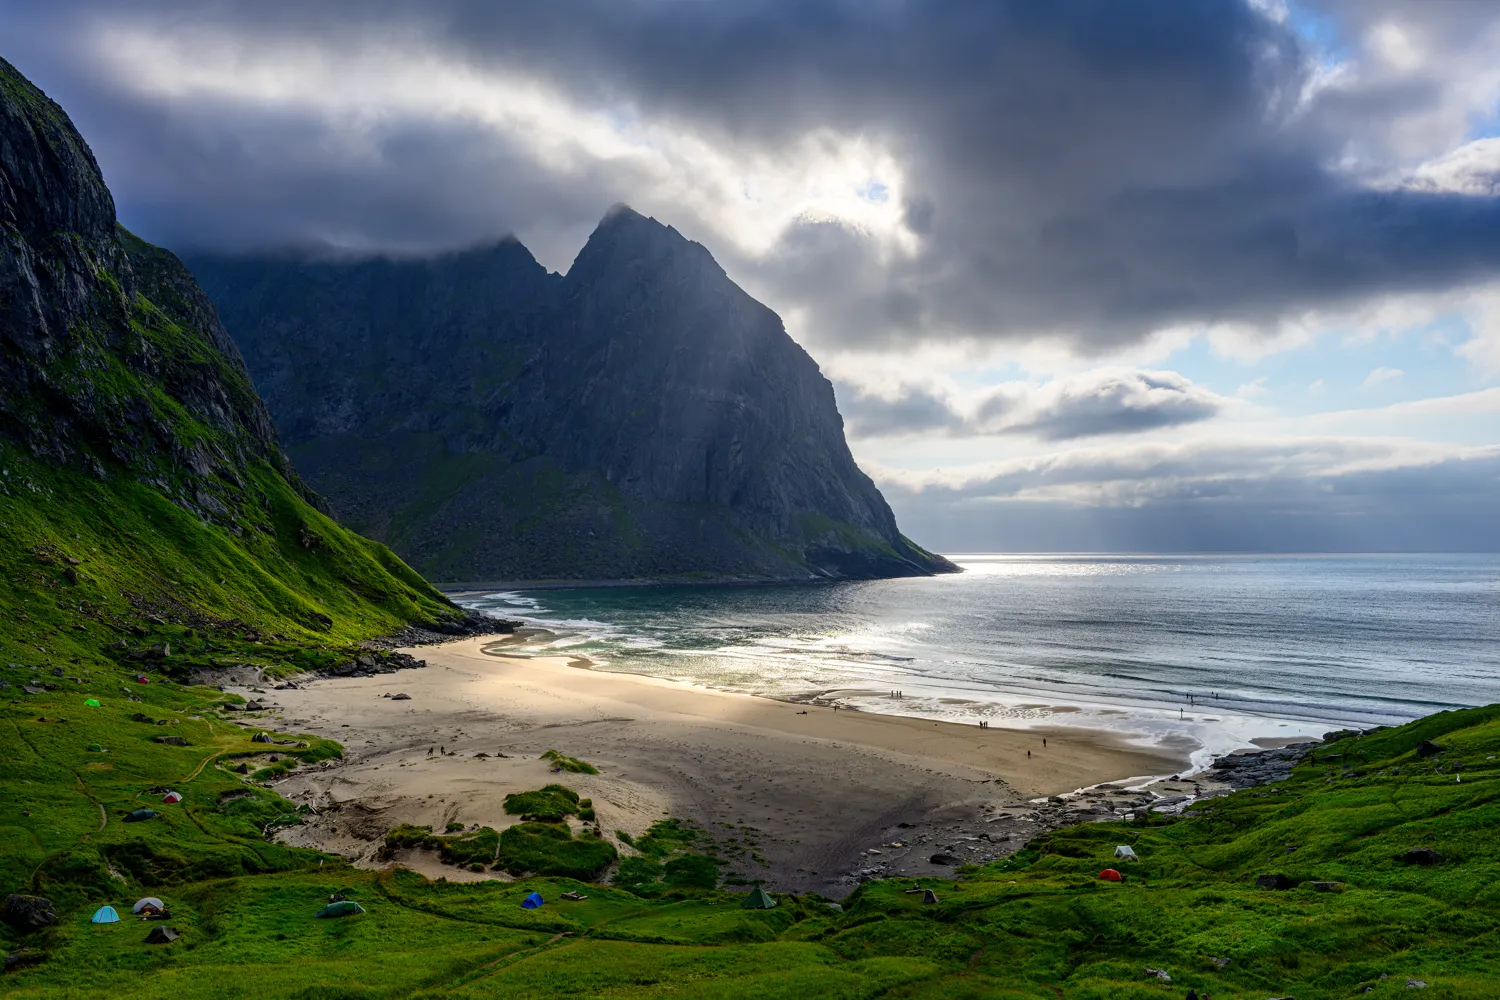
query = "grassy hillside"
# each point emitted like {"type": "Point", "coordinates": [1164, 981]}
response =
{"type": "Point", "coordinates": [145, 502]}
{"type": "Point", "coordinates": [1040, 924]}
{"type": "Point", "coordinates": [96, 570]}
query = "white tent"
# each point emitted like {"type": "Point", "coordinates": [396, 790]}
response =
{"type": "Point", "coordinates": [1124, 851]}
{"type": "Point", "coordinates": [141, 904]}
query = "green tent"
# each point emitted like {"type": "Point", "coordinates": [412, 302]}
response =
{"type": "Point", "coordinates": [758, 900]}
{"type": "Point", "coordinates": [92, 702]}
{"type": "Point", "coordinates": [343, 908]}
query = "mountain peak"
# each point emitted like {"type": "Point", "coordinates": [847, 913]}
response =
{"type": "Point", "coordinates": [53, 183]}
{"type": "Point", "coordinates": [627, 241]}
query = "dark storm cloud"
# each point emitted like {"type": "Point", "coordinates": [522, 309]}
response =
{"type": "Point", "coordinates": [1088, 405]}
{"type": "Point", "coordinates": [1093, 169]}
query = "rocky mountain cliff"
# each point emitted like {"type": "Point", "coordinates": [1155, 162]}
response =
{"type": "Point", "coordinates": [140, 474]}
{"type": "Point", "coordinates": [641, 417]}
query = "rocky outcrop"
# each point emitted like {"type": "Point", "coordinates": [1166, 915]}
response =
{"type": "Point", "coordinates": [28, 913]}
{"type": "Point", "coordinates": [140, 473]}
{"type": "Point", "coordinates": [640, 417]}
{"type": "Point", "coordinates": [111, 358]}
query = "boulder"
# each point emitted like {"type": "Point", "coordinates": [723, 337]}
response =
{"type": "Point", "coordinates": [1277, 882]}
{"type": "Point", "coordinates": [28, 913]}
{"type": "Point", "coordinates": [401, 696]}
{"type": "Point", "coordinates": [944, 859]}
{"type": "Point", "coordinates": [1423, 856]}
{"type": "Point", "coordinates": [174, 741]}
{"type": "Point", "coordinates": [1427, 748]}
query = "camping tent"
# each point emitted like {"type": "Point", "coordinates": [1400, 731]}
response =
{"type": "Point", "coordinates": [1126, 852]}
{"type": "Point", "coordinates": [343, 908]}
{"type": "Point", "coordinates": [92, 702]}
{"type": "Point", "coordinates": [141, 904]}
{"type": "Point", "coordinates": [140, 814]}
{"type": "Point", "coordinates": [758, 900]}
{"type": "Point", "coordinates": [162, 934]}
{"type": "Point", "coordinates": [260, 738]}
{"type": "Point", "coordinates": [105, 915]}
{"type": "Point", "coordinates": [1110, 875]}
{"type": "Point", "coordinates": [532, 901]}
{"type": "Point", "coordinates": [171, 797]}
{"type": "Point", "coordinates": [928, 896]}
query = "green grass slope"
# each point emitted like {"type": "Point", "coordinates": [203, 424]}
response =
{"type": "Point", "coordinates": [94, 570]}
{"type": "Point", "coordinates": [144, 498]}
{"type": "Point", "coordinates": [1039, 924]}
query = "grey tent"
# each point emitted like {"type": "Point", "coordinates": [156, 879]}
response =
{"type": "Point", "coordinates": [162, 934]}
{"type": "Point", "coordinates": [141, 904]}
{"type": "Point", "coordinates": [1126, 852]}
{"type": "Point", "coordinates": [343, 908]}
{"type": "Point", "coordinates": [758, 900]}
{"type": "Point", "coordinates": [928, 896]}
{"type": "Point", "coordinates": [140, 814]}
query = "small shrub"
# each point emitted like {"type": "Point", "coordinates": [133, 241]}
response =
{"type": "Point", "coordinates": [571, 764]}
{"type": "Point", "coordinates": [692, 871]}
{"type": "Point", "coordinates": [472, 848]}
{"type": "Point", "coordinates": [551, 849]}
{"type": "Point", "coordinates": [549, 804]}
{"type": "Point", "coordinates": [640, 875]}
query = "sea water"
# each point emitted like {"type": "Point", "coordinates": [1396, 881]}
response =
{"type": "Point", "coordinates": [1199, 654]}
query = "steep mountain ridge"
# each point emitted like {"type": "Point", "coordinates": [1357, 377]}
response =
{"type": "Point", "coordinates": [141, 480]}
{"type": "Point", "coordinates": [640, 417]}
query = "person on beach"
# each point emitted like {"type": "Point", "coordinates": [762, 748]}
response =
{"type": "Point", "coordinates": [1044, 742]}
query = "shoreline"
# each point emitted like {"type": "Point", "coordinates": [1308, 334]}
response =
{"type": "Point", "coordinates": [819, 788]}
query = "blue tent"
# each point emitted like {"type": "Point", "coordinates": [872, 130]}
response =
{"type": "Point", "coordinates": [106, 915]}
{"type": "Point", "coordinates": [532, 901]}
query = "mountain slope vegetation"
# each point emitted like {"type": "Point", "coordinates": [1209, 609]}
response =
{"type": "Point", "coordinates": [144, 498]}
{"type": "Point", "coordinates": [1357, 916]}
{"type": "Point", "coordinates": [640, 417]}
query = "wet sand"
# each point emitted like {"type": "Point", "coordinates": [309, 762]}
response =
{"type": "Point", "coordinates": [818, 788]}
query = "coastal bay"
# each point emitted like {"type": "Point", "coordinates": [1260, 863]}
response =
{"type": "Point", "coordinates": [814, 787]}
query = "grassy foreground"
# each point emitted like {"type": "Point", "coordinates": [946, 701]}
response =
{"type": "Point", "coordinates": [1039, 924]}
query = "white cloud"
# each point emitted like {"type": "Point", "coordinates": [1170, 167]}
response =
{"type": "Point", "coordinates": [1255, 387]}
{"type": "Point", "coordinates": [1382, 375]}
{"type": "Point", "coordinates": [1134, 474]}
{"type": "Point", "coordinates": [1088, 404]}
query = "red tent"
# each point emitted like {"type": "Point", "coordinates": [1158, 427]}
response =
{"type": "Point", "coordinates": [172, 797]}
{"type": "Point", "coordinates": [1110, 875]}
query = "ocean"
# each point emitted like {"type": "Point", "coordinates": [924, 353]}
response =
{"type": "Point", "coordinates": [1196, 653]}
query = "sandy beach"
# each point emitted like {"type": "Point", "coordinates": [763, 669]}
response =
{"type": "Point", "coordinates": [824, 794]}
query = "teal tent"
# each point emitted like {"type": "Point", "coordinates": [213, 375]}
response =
{"type": "Point", "coordinates": [758, 900]}
{"type": "Point", "coordinates": [106, 915]}
{"type": "Point", "coordinates": [532, 901]}
{"type": "Point", "coordinates": [343, 908]}
{"type": "Point", "coordinates": [141, 814]}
